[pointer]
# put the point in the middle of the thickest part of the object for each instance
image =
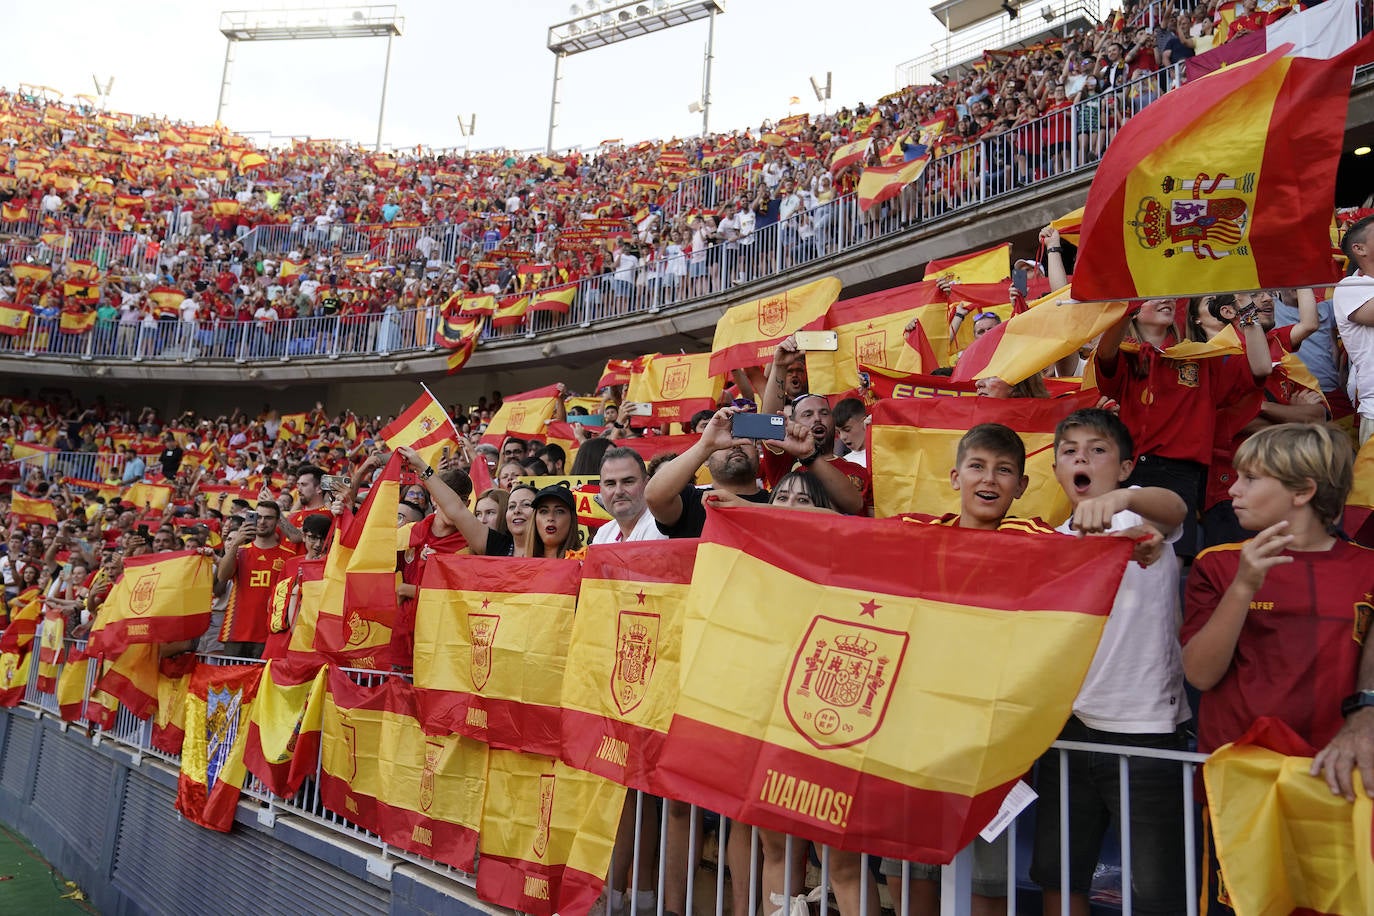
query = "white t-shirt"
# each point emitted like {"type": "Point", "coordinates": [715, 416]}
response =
{"type": "Point", "coordinates": [1135, 682]}
{"type": "Point", "coordinates": [646, 529]}
{"type": "Point", "coordinates": [1351, 293]}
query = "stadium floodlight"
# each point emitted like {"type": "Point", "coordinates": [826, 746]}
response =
{"type": "Point", "coordinates": [575, 10]}
{"type": "Point", "coordinates": [353, 21]}
{"type": "Point", "coordinates": [621, 22]}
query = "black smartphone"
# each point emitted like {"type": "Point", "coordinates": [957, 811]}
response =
{"type": "Point", "coordinates": [758, 426]}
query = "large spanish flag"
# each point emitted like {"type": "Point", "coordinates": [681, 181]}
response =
{"type": "Point", "coordinates": [556, 299]}
{"type": "Point", "coordinates": [35, 273]}
{"type": "Point", "coordinates": [173, 684]}
{"type": "Point", "coordinates": [25, 610]}
{"type": "Point", "coordinates": [131, 678]}
{"type": "Point", "coordinates": [32, 509]}
{"type": "Point", "coordinates": [522, 415]}
{"type": "Point", "coordinates": [850, 154]}
{"type": "Point", "coordinates": [1285, 843]}
{"type": "Point", "coordinates": [872, 332]}
{"type": "Point", "coordinates": [991, 265]}
{"type": "Point", "coordinates": [912, 446]}
{"type": "Point", "coordinates": [162, 597]}
{"type": "Point", "coordinates": [14, 676]}
{"type": "Point", "coordinates": [621, 684]}
{"type": "Point", "coordinates": [292, 424]}
{"type": "Point", "coordinates": [617, 372]}
{"type": "Point", "coordinates": [166, 300]}
{"type": "Point", "coordinates": [478, 305]}
{"type": "Point", "coordinates": [491, 642]}
{"type": "Point", "coordinates": [547, 835]}
{"type": "Point", "coordinates": [881, 183]}
{"type": "Point", "coordinates": [284, 725]}
{"type": "Point", "coordinates": [149, 495]}
{"type": "Point", "coordinates": [1223, 184]}
{"type": "Point", "coordinates": [72, 685]}
{"type": "Point", "coordinates": [78, 322]}
{"type": "Point", "coordinates": [218, 701]}
{"type": "Point", "coordinates": [424, 426]}
{"type": "Point", "coordinates": [676, 385]}
{"type": "Point", "coordinates": [510, 311]}
{"type": "Point", "coordinates": [422, 793]}
{"type": "Point", "coordinates": [886, 697]}
{"type": "Point", "coordinates": [747, 334]}
{"type": "Point", "coordinates": [456, 330]}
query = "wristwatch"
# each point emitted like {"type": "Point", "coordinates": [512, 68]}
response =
{"type": "Point", "coordinates": [811, 459]}
{"type": "Point", "coordinates": [427, 473]}
{"type": "Point", "coordinates": [1356, 701]}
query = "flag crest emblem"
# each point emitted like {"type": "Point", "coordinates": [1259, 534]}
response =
{"type": "Point", "coordinates": [516, 421]}
{"type": "Point", "coordinates": [675, 381]}
{"type": "Point", "coordinates": [541, 838]}
{"type": "Point", "coordinates": [434, 751]}
{"type": "Point", "coordinates": [483, 627]}
{"type": "Point", "coordinates": [636, 651]}
{"type": "Point", "coordinates": [841, 681]}
{"type": "Point", "coordinates": [141, 600]}
{"type": "Point", "coordinates": [221, 729]}
{"type": "Point", "coordinates": [772, 315]}
{"type": "Point", "coordinates": [870, 349]}
{"type": "Point", "coordinates": [1206, 220]}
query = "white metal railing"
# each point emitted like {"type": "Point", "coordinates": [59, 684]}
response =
{"type": "Point", "coordinates": [93, 466]}
{"type": "Point", "coordinates": [955, 879]}
{"type": "Point", "coordinates": [710, 190]}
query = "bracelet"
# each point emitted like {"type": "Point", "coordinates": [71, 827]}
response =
{"type": "Point", "coordinates": [810, 459]}
{"type": "Point", "coordinates": [427, 474]}
{"type": "Point", "coordinates": [1055, 250]}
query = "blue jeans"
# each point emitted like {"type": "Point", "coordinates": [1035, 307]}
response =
{"type": "Point", "coordinates": [1158, 881]}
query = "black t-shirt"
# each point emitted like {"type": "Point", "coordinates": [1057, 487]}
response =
{"type": "Point", "coordinates": [693, 518]}
{"type": "Point", "coordinates": [170, 459]}
{"type": "Point", "coordinates": [499, 545]}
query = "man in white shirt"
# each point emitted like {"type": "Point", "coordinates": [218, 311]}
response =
{"type": "Point", "coordinates": [1353, 304]}
{"type": "Point", "coordinates": [623, 479]}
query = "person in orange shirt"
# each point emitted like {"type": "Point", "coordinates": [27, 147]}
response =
{"type": "Point", "coordinates": [253, 561]}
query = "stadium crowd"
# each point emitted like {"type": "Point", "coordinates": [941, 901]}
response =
{"type": "Point", "coordinates": [1230, 472]}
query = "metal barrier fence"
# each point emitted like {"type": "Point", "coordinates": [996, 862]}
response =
{"type": "Point", "coordinates": [692, 879]}
{"type": "Point", "coordinates": [709, 191]}
{"type": "Point", "coordinates": [97, 466]}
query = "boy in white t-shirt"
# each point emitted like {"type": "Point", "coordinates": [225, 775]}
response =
{"type": "Point", "coordinates": [1133, 693]}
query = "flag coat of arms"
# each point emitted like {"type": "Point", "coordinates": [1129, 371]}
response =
{"type": "Point", "coordinates": [424, 426]}
{"type": "Point", "coordinates": [419, 792]}
{"type": "Point", "coordinates": [547, 835]}
{"type": "Point", "coordinates": [747, 334]}
{"type": "Point", "coordinates": [886, 697]}
{"type": "Point", "coordinates": [491, 643]}
{"type": "Point", "coordinates": [284, 725]}
{"type": "Point", "coordinates": [1216, 186]}
{"type": "Point", "coordinates": [913, 444]}
{"type": "Point", "coordinates": [161, 597]}
{"type": "Point", "coordinates": [621, 682]}
{"type": "Point", "coordinates": [212, 772]}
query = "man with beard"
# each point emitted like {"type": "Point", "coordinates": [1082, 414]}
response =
{"type": "Point", "coordinates": [672, 495]}
{"type": "Point", "coordinates": [850, 486]}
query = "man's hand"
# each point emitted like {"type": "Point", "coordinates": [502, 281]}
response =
{"type": "Point", "coordinates": [1049, 237]}
{"type": "Point", "coordinates": [1351, 749]}
{"type": "Point", "coordinates": [1094, 515]}
{"type": "Point", "coordinates": [799, 441]}
{"type": "Point", "coordinates": [413, 458]}
{"type": "Point", "coordinates": [717, 434]}
{"type": "Point", "coordinates": [784, 351]}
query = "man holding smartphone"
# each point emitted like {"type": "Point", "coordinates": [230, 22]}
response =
{"type": "Point", "coordinates": [253, 560]}
{"type": "Point", "coordinates": [672, 495]}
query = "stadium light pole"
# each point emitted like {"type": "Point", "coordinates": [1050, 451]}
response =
{"type": "Point", "coordinates": [309, 24]}
{"type": "Point", "coordinates": [597, 25]}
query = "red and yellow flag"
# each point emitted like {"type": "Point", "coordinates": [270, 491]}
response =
{"type": "Point", "coordinates": [14, 676]}
{"type": "Point", "coordinates": [913, 444]}
{"type": "Point", "coordinates": [850, 154]}
{"type": "Point", "coordinates": [25, 610]}
{"type": "Point", "coordinates": [1205, 190]}
{"type": "Point", "coordinates": [173, 683]}
{"type": "Point", "coordinates": [991, 265]}
{"type": "Point", "coordinates": [72, 700]}
{"type": "Point", "coordinates": [510, 311]}
{"type": "Point", "coordinates": [424, 426]}
{"type": "Point", "coordinates": [14, 319]}
{"type": "Point", "coordinates": [225, 206]}
{"type": "Point", "coordinates": [422, 793]}
{"type": "Point", "coordinates": [456, 330]}
{"type": "Point", "coordinates": [747, 334]}
{"type": "Point", "coordinates": [676, 385]}
{"type": "Point", "coordinates": [131, 678]}
{"type": "Point", "coordinates": [34, 273]}
{"type": "Point", "coordinates": [620, 688]}
{"type": "Point", "coordinates": [872, 332]}
{"type": "Point", "coordinates": [292, 424]}
{"type": "Point", "coordinates": [32, 509]}
{"type": "Point", "coordinates": [617, 372]}
{"type": "Point", "coordinates": [166, 300]}
{"type": "Point", "coordinates": [153, 496]}
{"type": "Point", "coordinates": [478, 305]}
{"type": "Point", "coordinates": [458, 358]}
{"type": "Point", "coordinates": [218, 701]}
{"type": "Point", "coordinates": [1052, 328]}
{"type": "Point", "coordinates": [290, 268]}
{"type": "Point", "coordinates": [78, 322]}
{"type": "Point", "coordinates": [522, 415]}
{"type": "Point", "coordinates": [1070, 226]}
{"type": "Point", "coordinates": [50, 649]}
{"type": "Point", "coordinates": [284, 725]}
{"type": "Point", "coordinates": [881, 183]}
{"type": "Point", "coordinates": [161, 597]}
{"type": "Point", "coordinates": [1285, 843]}
{"type": "Point", "coordinates": [849, 724]}
{"type": "Point", "coordinates": [491, 641]}
{"type": "Point", "coordinates": [546, 836]}
{"type": "Point", "coordinates": [558, 299]}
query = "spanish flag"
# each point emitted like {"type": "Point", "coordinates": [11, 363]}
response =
{"type": "Point", "coordinates": [677, 387]}
{"type": "Point", "coordinates": [458, 358]}
{"type": "Point", "coordinates": [25, 610]}
{"type": "Point", "coordinates": [456, 331]}
{"type": "Point", "coordinates": [478, 305]}
{"type": "Point", "coordinates": [491, 640]}
{"type": "Point", "coordinates": [872, 333]}
{"type": "Point", "coordinates": [522, 415]}
{"type": "Point", "coordinates": [1359, 505]}
{"type": "Point", "coordinates": [1285, 843]}
{"type": "Point", "coordinates": [290, 268]}
{"type": "Point", "coordinates": [32, 509]}
{"type": "Point", "coordinates": [546, 836]}
{"type": "Point", "coordinates": [617, 372]}
{"type": "Point", "coordinates": [510, 311]}
{"type": "Point", "coordinates": [50, 649]}
{"type": "Point", "coordinates": [71, 687]}
{"type": "Point", "coordinates": [173, 684]}
{"type": "Point", "coordinates": [421, 793]}
{"type": "Point", "coordinates": [249, 161]}
{"type": "Point", "coordinates": [35, 273]}
{"type": "Point", "coordinates": [286, 612]}
{"type": "Point", "coordinates": [14, 213]}
{"type": "Point", "coordinates": [1069, 226]}
{"type": "Point", "coordinates": [78, 322]}
{"type": "Point", "coordinates": [161, 597]}
{"type": "Point", "coordinates": [165, 300]}
{"type": "Point", "coordinates": [82, 291]}
{"type": "Point", "coordinates": [747, 334]}
{"type": "Point", "coordinates": [850, 154]}
{"type": "Point", "coordinates": [884, 383]}
{"type": "Point", "coordinates": [224, 206]}
{"type": "Point", "coordinates": [991, 265]}
{"type": "Point", "coordinates": [14, 676]}
{"type": "Point", "coordinates": [284, 725]}
{"type": "Point", "coordinates": [424, 426]}
{"type": "Point", "coordinates": [1223, 184]}
{"type": "Point", "coordinates": [1052, 328]}
{"type": "Point", "coordinates": [218, 702]}
{"type": "Point", "coordinates": [14, 319]}
{"type": "Point", "coordinates": [557, 299]}
{"type": "Point", "coordinates": [881, 183]}
{"type": "Point", "coordinates": [292, 424]}
{"type": "Point", "coordinates": [918, 682]}
{"type": "Point", "coordinates": [152, 495]}
{"type": "Point", "coordinates": [621, 684]}
{"type": "Point", "coordinates": [913, 444]}
{"type": "Point", "coordinates": [131, 678]}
